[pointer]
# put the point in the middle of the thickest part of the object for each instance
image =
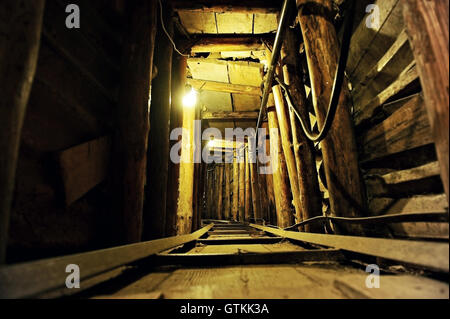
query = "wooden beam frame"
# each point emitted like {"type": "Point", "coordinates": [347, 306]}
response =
{"type": "Point", "coordinates": [202, 85]}
{"type": "Point", "coordinates": [229, 116]}
{"type": "Point", "coordinates": [221, 6]}
{"type": "Point", "coordinates": [44, 276]}
{"type": "Point", "coordinates": [222, 44]}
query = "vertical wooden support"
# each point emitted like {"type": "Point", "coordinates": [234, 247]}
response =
{"type": "Point", "coordinates": [235, 208]}
{"type": "Point", "coordinates": [241, 161]}
{"type": "Point", "coordinates": [248, 190]}
{"type": "Point", "coordinates": [284, 124]}
{"type": "Point", "coordinates": [226, 205]}
{"type": "Point", "coordinates": [280, 176]}
{"type": "Point", "coordinates": [220, 192]}
{"type": "Point", "coordinates": [255, 190]}
{"type": "Point", "coordinates": [186, 185]}
{"type": "Point", "coordinates": [339, 147]}
{"type": "Point", "coordinates": [158, 151]}
{"type": "Point", "coordinates": [20, 34]}
{"type": "Point", "coordinates": [179, 70]}
{"type": "Point", "coordinates": [130, 142]}
{"type": "Point", "coordinates": [310, 196]}
{"type": "Point", "coordinates": [427, 27]}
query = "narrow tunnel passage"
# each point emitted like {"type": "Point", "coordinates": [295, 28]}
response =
{"type": "Point", "coordinates": [224, 150]}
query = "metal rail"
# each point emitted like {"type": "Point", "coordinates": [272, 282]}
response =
{"type": "Point", "coordinates": [27, 280]}
{"type": "Point", "coordinates": [431, 255]}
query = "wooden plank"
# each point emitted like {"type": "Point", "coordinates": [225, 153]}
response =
{"type": "Point", "coordinates": [201, 85]}
{"type": "Point", "coordinates": [406, 128]}
{"type": "Point", "coordinates": [265, 23]}
{"type": "Point", "coordinates": [20, 26]}
{"type": "Point", "coordinates": [406, 78]}
{"type": "Point", "coordinates": [339, 148]}
{"type": "Point", "coordinates": [224, 44]}
{"type": "Point", "coordinates": [432, 255]}
{"type": "Point", "coordinates": [131, 141]}
{"type": "Point", "coordinates": [385, 71]}
{"type": "Point", "coordinates": [227, 198]}
{"type": "Point", "coordinates": [154, 216]}
{"type": "Point", "coordinates": [239, 23]}
{"type": "Point", "coordinates": [220, 192]}
{"type": "Point", "coordinates": [220, 6]}
{"type": "Point", "coordinates": [235, 204]}
{"type": "Point", "coordinates": [241, 161]}
{"type": "Point", "coordinates": [248, 190]}
{"type": "Point", "coordinates": [227, 116]}
{"type": "Point", "coordinates": [21, 281]}
{"type": "Point", "coordinates": [363, 38]}
{"type": "Point", "coordinates": [249, 258]}
{"type": "Point", "coordinates": [427, 25]}
{"type": "Point", "coordinates": [83, 167]}
{"type": "Point", "coordinates": [198, 22]}
{"type": "Point", "coordinates": [405, 181]}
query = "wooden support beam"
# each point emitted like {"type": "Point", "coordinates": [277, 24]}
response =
{"type": "Point", "coordinates": [280, 175]}
{"type": "Point", "coordinates": [158, 151]}
{"type": "Point", "coordinates": [248, 190]}
{"type": "Point", "coordinates": [310, 196]}
{"type": "Point", "coordinates": [339, 147]}
{"type": "Point", "coordinates": [285, 132]}
{"type": "Point", "coordinates": [19, 49]}
{"type": "Point", "coordinates": [235, 206]}
{"type": "Point", "coordinates": [179, 71]}
{"type": "Point", "coordinates": [222, 6]}
{"type": "Point", "coordinates": [131, 138]}
{"type": "Point", "coordinates": [214, 44]}
{"type": "Point", "coordinates": [427, 26]}
{"type": "Point", "coordinates": [230, 116]}
{"type": "Point", "coordinates": [241, 161]}
{"type": "Point", "coordinates": [256, 192]}
{"type": "Point", "coordinates": [83, 167]}
{"type": "Point", "coordinates": [202, 85]}
{"type": "Point", "coordinates": [227, 206]}
{"type": "Point", "coordinates": [220, 170]}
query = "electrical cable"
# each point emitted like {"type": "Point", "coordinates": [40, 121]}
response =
{"type": "Point", "coordinates": [167, 33]}
{"type": "Point", "coordinates": [337, 84]}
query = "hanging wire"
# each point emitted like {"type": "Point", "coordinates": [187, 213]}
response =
{"type": "Point", "coordinates": [167, 33]}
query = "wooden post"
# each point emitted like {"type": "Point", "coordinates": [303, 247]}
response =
{"type": "Point", "coordinates": [186, 186]}
{"type": "Point", "coordinates": [241, 161]}
{"type": "Point", "coordinates": [310, 196]}
{"type": "Point", "coordinates": [339, 147]}
{"type": "Point", "coordinates": [226, 206]}
{"type": "Point", "coordinates": [220, 192]}
{"type": "Point", "coordinates": [158, 151]}
{"type": "Point", "coordinates": [235, 208]}
{"type": "Point", "coordinates": [179, 71]}
{"type": "Point", "coordinates": [130, 143]}
{"type": "Point", "coordinates": [427, 28]}
{"type": "Point", "coordinates": [20, 34]}
{"type": "Point", "coordinates": [248, 190]}
{"type": "Point", "coordinates": [280, 175]}
{"type": "Point", "coordinates": [282, 115]}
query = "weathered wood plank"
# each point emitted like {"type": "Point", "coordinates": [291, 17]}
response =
{"type": "Point", "coordinates": [227, 116]}
{"type": "Point", "coordinates": [427, 26]}
{"type": "Point", "coordinates": [20, 33]}
{"type": "Point", "coordinates": [406, 128]}
{"type": "Point", "coordinates": [83, 167]}
{"type": "Point", "coordinates": [224, 87]}
{"type": "Point", "coordinates": [131, 138]}
{"type": "Point", "coordinates": [227, 44]}
{"type": "Point", "coordinates": [364, 113]}
{"type": "Point", "coordinates": [220, 6]}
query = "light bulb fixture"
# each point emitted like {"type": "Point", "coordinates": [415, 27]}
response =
{"type": "Point", "coordinates": [190, 99]}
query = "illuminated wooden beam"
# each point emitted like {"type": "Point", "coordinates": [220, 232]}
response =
{"type": "Point", "coordinates": [221, 6]}
{"type": "Point", "coordinates": [229, 116]}
{"type": "Point", "coordinates": [222, 44]}
{"type": "Point", "coordinates": [202, 85]}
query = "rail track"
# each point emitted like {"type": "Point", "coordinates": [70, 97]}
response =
{"type": "Point", "coordinates": [234, 260]}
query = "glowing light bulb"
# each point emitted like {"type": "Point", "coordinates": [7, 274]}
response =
{"type": "Point", "coordinates": [190, 99]}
